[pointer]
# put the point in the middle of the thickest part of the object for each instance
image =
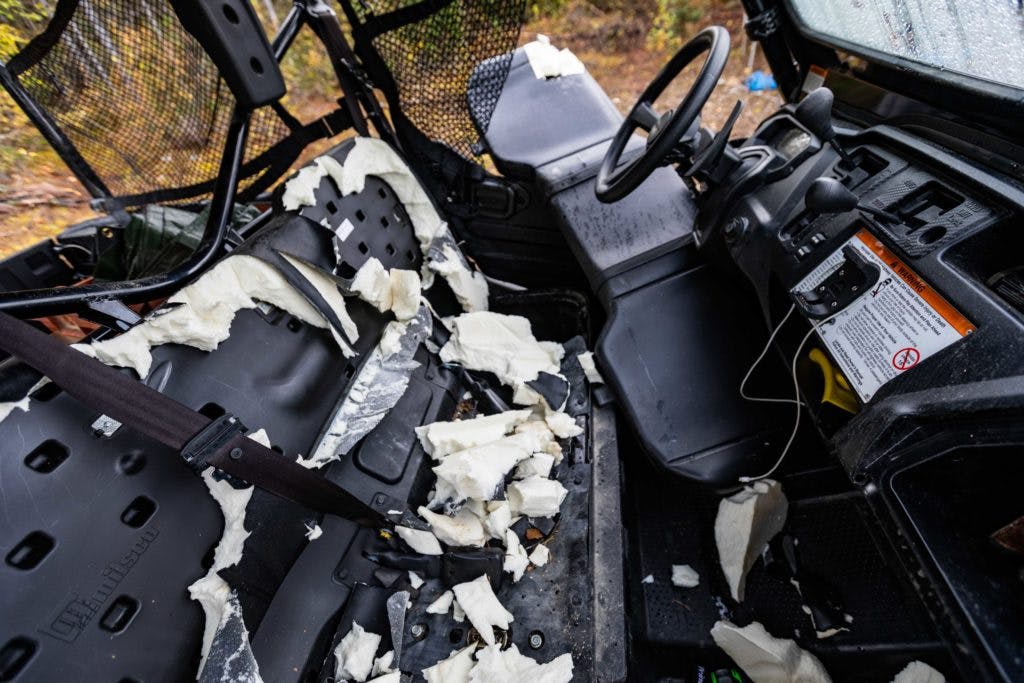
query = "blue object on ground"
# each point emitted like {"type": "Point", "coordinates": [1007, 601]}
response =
{"type": "Point", "coordinates": [759, 80]}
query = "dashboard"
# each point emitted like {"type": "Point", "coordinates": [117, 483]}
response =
{"type": "Point", "coordinates": [913, 309]}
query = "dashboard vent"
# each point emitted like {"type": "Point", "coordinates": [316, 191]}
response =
{"type": "Point", "coordinates": [1009, 284]}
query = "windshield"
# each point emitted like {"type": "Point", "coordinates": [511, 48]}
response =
{"type": "Point", "coordinates": [979, 38]}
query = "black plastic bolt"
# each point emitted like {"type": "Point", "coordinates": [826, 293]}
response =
{"type": "Point", "coordinates": [235, 454]}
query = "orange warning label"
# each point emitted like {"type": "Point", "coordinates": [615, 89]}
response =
{"type": "Point", "coordinates": [892, 327]}
{"type": "Point", "coordinates": [934, 299]}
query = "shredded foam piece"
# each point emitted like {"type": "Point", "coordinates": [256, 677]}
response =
{"type": "Point", "coordinates": [355, 654]}
{"type": "Point", "coordinates": [454, 669]}
{"type": "Point", "coordinates": [458, 614]}
{"type": "Point", "coordinates": [420, 541]}
{"type": "Point", "coordinates": [391, 339]}
{"type": "Point", "coordinates": [8, 407]}
{"type": "Point", "coordinates": [443, 438]}
{"type": "Point", "coordinates": [393, 290]}
{"type": "Point", "coordinates": [442, 604]}
{"type": "Point", "coordinates": [414, 580]}
{"type": "Point", "coordinates": [212, 592]}
{"type": "Point", "coordinates": [919, 672]}
{"type": "Point", "coordinates": [390, 677]}
{"type": "Point", "coordinates": [537, 465]}
{"type": "Point", "coordinates": [479, 472]}
{"type": "Point", "coordinates": [382, 664]}
{"type": "Point", "coordinates": [540, 555]}
{"type": "Point", "coordinates": [516, 559]}
{"type": "Point", "coordinates": [590, 368]}
{"type": "Point", "coordinates": [495, 665]}
{"type": "Point", "coordinates": [301, 189]}
{"type": "Point", "coordinates": [468, 286]}
{"type": "Point", "coordinates": [461, 530]}
{"type": "Point", "coordinates": [684, 576]}
{"type": "Point", "coordinates": [547, 61]}
{"type": "Point", "coordinates": [746, 522]}
{"type": "Point", "coordinates": [205, 312]}
{"type": "Point", "coordinates": [767, 659]}
{"type": "Point", "coordinates": [498, 520]}
{"type": "Point", "coordinates": [313, 532]}
{"type": "Point", "coordinates": [648, 579]}
{"type": "Point", "coordinates": [562, 425]}
{"type": "Point", "coordinates": [535, 497]}
{"type": "Point", "coordinates": [501, 344]}
{"type": "Point", "coordinates": [482, 607]}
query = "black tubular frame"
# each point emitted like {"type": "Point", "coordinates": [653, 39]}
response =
{"type": "Point", "coordinates": [42, 302]}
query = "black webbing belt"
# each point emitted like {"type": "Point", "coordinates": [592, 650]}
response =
{"type": "Point", "coordinates": [202, 442]}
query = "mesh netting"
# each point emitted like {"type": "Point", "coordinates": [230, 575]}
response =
{"type": "Point", "coordinates": [138, 97]}
{"type": "Point", "coordinates": [432, 61]}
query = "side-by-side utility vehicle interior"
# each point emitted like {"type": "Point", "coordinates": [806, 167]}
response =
{"type": "Point", "coordinates": [470, 378]}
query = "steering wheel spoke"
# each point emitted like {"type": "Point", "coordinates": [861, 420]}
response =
{"type": "Point", "coordinates": [644, 116]}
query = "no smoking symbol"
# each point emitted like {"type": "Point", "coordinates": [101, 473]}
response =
{"type": "Point", "coordinates": [906, 358]}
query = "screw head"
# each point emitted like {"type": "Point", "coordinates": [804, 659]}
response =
{"type": "Point", "coordinates": [536, 640]}
{"type": "Point", "coordinates": [418, 631]}
{"type": "Point", "coordinates": [235, 454]}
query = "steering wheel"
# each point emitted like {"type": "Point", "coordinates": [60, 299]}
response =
{"type": "Point", "coordinates": [664, 131]}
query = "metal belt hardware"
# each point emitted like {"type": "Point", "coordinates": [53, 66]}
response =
{"type": "Point", "coordinates": [210, 439]}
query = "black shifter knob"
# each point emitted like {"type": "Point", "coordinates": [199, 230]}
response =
{"type": "Point", "coordinates": [828, 195]}
{"type": "Point", "coordinates": [815, 112]}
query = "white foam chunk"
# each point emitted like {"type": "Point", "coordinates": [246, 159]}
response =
{"type": "Point", "coordinates": [499, 517]}
{"type": "Point", "coordinates": [458, 614]}
{"type": "Point", "coordinates": [482, 607]}
{"type": "Point", "coordinates": [393, 290]}
{"type": "Point", "coordinates": [212, 592]}
{"type": "Point", "coordinates": [540, 555]}
{"type": "Point", "coordinates": [390, 677]}
{"type": "Point", "coordinates": [454, 669]}
{"type": "Point", "coordinates": [442, 438]}
{"type": "Point", "coordinates": [537, 465]}
{"type": "Point", "coordinates": [516, 559]}
{"type": "Point", "coordinates": [461, 530]}
{"type": "Point", "coordinates": [562, 425]}
{"type": "Point", "coordinates": [301, 189]}
{"type": "Point", "coordinates": [414, 580]}
{"type": "Point", "coordinates": [355, 654]}
{"type": "Point", "coordinates": [767, 659]}
{"type": "Point", "coordinates": [547, 61]}
{"type": "Point", "coordinates": [419, 540]}
{"type": "Point", "coordinates": [684, 576]}
{"type": "Point", "coordinates": [479, 472]}
{"type": "Point", "coordinates": [205, 312]}
{"type": "Point", "coordinates": [535, 497]}
{"type": "Point", "coordinates": [382, 664]}
{"type": "Point", "coordinates": [468, 286]}
{"type": "Point", "coordinates": [313, 532]}
{"type": "Point", "coordinates": [919, 672]}
{"type": "Point", "coordinates": [442, 604]}
{"type": "Point", "coordinates": [746, 522]}
{"type": "Point", "coordinates": [590, 368]}
{"type": "Point", "coordinates": [501, 344]}
{"type": "Point", "coordinates": [495, 665]}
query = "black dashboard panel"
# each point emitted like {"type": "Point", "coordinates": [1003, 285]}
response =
{"type": "Point", "coordinates": [942, 432]}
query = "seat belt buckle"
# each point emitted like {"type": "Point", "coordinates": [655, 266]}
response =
{"type": "Point", "coordinates": [210, 439]}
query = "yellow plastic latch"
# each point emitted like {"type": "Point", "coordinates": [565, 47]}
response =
{"type": "Point", "coordinates": [837, 388]}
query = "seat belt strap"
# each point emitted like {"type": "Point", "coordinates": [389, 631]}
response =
{"type": "Point", "coordinates": [202, 442]}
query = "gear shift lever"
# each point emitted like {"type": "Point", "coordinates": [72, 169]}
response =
{"type": "Point", "coordinates": [815, 112]}
{"type": "Point", "coordinates": [828, 195]}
